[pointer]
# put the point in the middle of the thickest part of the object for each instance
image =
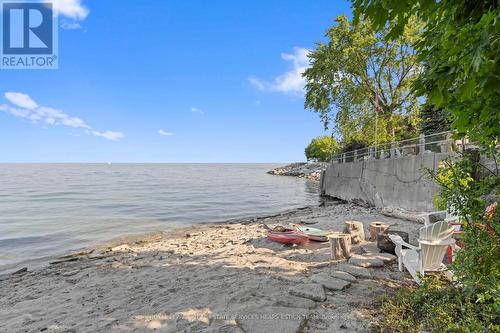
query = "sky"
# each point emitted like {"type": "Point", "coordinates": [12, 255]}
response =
{"type": "Point", "coordinates": [169, 81]}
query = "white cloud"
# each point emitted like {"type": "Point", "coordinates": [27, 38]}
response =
{"type": "Point", "coordinates": [57, 117]}
{"type": "Point", "coordinates": [71, 8]}
{"type": "Point", "coordinates": [165, 133]}
{"type": "Point", "coordinates": [27, 108]}
{"type": "Point", "coordinates": [290, 81]}
{"type": "Point", "coordinates": [21, 100]}
{"type": "Point", "coordinates": [110, 135]}
{"type": "Point", "coordinates": [71, 25]}
{"type": "Point", "coordinates": [257, 83]}
{"type": "Point", "coordinates": [197, 110]}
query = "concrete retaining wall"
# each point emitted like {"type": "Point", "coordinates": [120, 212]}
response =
{"type": "Point", "coordinates": [396, 182]}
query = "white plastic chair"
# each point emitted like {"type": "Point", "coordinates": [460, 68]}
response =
{"type": "Point", "coordinates": [433, 242]}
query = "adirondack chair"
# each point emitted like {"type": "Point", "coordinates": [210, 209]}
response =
{"type": "Point", "coordinates": [453, 220]}
{"type": "Point", "coordinates": [433, 242]}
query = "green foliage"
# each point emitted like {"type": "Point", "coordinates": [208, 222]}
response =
{"type": "Point", "coordinates": [434, 120]}
{"type": "Point", "coordinates": [466, 184]}
{"type": "Point", "coordinates": [437, 305]}
{"type": "Point", "coordinates": [472, 304]}
{"type": "Point", "coordinates": [460, 46]}
{"type": "Point", "coordinates": [322, 149]}
{"type": "Point", "coordinates": [439, 202]}
{"type": "Point", "coordinates": [353, 145]}
{"type": "Point", "coordinates": [369, 128]}
{"type": "Point", "coordinates": [362, 83]}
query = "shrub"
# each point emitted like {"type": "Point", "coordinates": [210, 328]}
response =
{"type": "Point", "coordinates": [322, 149]}
{"type": "Point", "coordinates": [437, 305]}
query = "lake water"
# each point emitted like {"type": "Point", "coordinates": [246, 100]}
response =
{"type": "Point", "coordinates": [47, 210]}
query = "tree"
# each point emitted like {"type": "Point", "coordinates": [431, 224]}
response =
{"type": "Point", "coordinates": [357, 73]}
{"type": "Point", "coordinates": [460, 45]}
{"type": "Point", "coordinates": [322, 149]}
{"type": "Point", "coordinates": [434, 120]}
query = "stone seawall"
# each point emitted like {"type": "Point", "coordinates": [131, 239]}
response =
{"type": "Point", "coordinates": [396, 182]}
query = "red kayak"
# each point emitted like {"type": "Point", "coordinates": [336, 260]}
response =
{"type": "Point", "coordinates": [286, 236]}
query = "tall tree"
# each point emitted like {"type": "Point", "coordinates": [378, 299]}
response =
{"type": "Point", "coordinates": [434, 120]}
{"type": "Point", "coordinates": [461, 47]}
{"type": "Point", "coordinates": [357, 73]}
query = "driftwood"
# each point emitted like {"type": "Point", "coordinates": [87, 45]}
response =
{"type": "Point", "coordinates": [340, 245]}
{"type": "Point", "coordinates": [376, 228]}
{"type": "Point", "coordinates": [356, 230]}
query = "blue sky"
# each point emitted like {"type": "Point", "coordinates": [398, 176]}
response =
{"type": "Point", "coordinates": [168, 81]}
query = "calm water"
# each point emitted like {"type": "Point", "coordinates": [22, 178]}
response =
{"type": "Point", "coordinates": [50, 209]}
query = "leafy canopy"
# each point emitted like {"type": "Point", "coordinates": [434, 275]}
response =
{"type": "Point", "coordinates": [356, 73]}
{"type": "Point", "coordinates": [322, 149]}
{"type": "Point", "coordinates": [460, 45]}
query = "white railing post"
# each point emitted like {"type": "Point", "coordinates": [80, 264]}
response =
{"type": "Point", "coordinates": [343, 158]}
{"type": "Point", "coordinates": [370, 153]}
{"type": "Point", "coordinates": [421, 144]}
{"type": "Point", "coordinates": [355, 155]}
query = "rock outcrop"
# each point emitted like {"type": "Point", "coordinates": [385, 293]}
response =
{"type": "Point", "coordinates": [307, 170]}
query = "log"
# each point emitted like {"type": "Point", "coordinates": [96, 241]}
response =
{"type": "Point", "coordinates": [356, 230]}
{"type": "Point", "coordinates": [385, 244]}
{"type": "Point", "coordinates": [340, 246]}
{"type": "Point", "coordinates": [376, 228]}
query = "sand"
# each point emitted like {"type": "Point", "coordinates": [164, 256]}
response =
{"type": "Point", "coordinates": [216, 278]}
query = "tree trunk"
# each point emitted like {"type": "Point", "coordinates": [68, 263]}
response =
{"type": "Point", "coordinates": [340, 245]}
{"type": "Point", "coordinates": [376, 228]}
{"type": "Point", "coordinates": [356, 230]}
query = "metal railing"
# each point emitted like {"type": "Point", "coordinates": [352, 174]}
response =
{"type": "Point", "coordinates": [437, 143]}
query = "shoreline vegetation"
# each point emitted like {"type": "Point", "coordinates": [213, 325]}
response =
{"type": "Point", "coordinates": [221, 277]}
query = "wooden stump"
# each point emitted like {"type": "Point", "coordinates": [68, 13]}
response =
{"type": "Point", "coordinates": [385, 244]}
{"type": "Point", "coordinates": [356, 230]}
{"type": "Point", "coordinates": [376, 228]}
{"type": "Point", "coordinates": [340, 246]}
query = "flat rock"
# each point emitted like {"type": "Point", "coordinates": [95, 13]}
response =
{"type": "Point", "coordinates": [342, 275]}
{"type": "Point", "coordinates": [272, 319]}
{"type": "Point", "coordinates": [357, 271]}
{"type": "Point", "coordinates": [329, 282]}
{"type": "Point", "coordinates": [385, 257]}
{"type": "Point", "coordinates": [381, 274]}
{"type": "Point", "coordinates": [291, 301]}
{"type": "Point", "coordinates": [365, 261]}
{"type": "Point", "coordinates": [370, 247]}
{"type": "Point", "coordinates": [313, 291]}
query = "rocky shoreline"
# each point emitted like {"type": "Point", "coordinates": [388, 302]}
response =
{"type": "Point", "coordinates": [309, 170]}
{"type": "Point", "coordinates": [225, 277]}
